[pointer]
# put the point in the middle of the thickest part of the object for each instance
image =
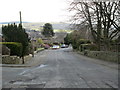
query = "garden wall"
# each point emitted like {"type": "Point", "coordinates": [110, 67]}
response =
{"type": "Point", "coordinates": [6, 59]}
{"type": "Point", "coordinates": [103, 55]}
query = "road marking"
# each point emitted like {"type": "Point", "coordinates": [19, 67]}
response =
{"type": "Point", "coordinates": [41, 66]}
{"type": "Point", "coordinates": [29, 70]}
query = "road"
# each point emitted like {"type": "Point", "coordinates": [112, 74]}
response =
{"type": "Point", "coordinates": [61, 68]}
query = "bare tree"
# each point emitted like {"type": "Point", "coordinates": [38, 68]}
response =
{"type": "Point", "coordinates": [102, 18]}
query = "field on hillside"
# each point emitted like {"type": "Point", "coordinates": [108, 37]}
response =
{"type": "Point", "coordinates": [67, 31]}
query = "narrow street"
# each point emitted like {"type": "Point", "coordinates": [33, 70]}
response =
{"type": "Point", "coordinates": [61, 68]}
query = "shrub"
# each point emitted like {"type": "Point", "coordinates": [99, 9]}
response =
{"type": "Point", "coordinates": [74, 46]}
{"type": "Point", "coordinates": [91, 47]}
{"type": "Point", "coordinates": [82, 41]}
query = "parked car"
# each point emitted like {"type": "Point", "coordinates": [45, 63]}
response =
{"type": "Point", "coordinates": [55, 47]}
{"type": "Point", "coordinates": [46, 46]}
{"type": "Point", "coordinates": [64, 46]}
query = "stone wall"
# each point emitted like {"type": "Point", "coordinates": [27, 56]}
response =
{"type": "Point", "coordinates": [6, 59]}
{"type": "Point", "coordinates": [107, 56]}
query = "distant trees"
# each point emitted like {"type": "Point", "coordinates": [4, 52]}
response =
{"type": "Point", "coordinates": [75, 39]}
{"type": "Point", "coordinates": [67, 39]}
{"type": "Point", "coordinates": [101, 17]}
{"type": "Point", "coordinates": [14, 33]}
{"type": "Point", "coordinates": [72, 38]}
{"type": "Point", "coordinates": [48, 30]}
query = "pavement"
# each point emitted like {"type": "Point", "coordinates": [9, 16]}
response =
{"type": "Point", "coordinates": [61, 68]}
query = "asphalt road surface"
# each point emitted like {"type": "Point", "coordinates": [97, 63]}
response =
{"type": "Point", "coordinates": [61, 68]}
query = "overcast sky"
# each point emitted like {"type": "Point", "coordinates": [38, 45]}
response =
{"type": "Point", "coordinates": [34, 10]}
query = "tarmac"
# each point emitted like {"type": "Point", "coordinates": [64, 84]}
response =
{"type": "Point", "coordinates": [30, 63]}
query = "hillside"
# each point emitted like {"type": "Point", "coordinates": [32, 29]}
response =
{"type": "Point", "coordinates": [39, 25]}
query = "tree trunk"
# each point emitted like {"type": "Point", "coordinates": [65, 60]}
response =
{"type": "Point", "coordinates": [23, 62]}
{"type": "Point", "coordinates": [107, 45]}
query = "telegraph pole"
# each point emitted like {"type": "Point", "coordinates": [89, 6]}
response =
{"type": "Point", "coordinates": [20, 19]}
{"type": "Point", "coordinates": [21, 29]}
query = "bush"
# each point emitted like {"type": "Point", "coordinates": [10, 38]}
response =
{"type": "Point", "coordinates": [91, 47]}
{"type": "Point", "coordinates": [82, 41]}
{"type": "Point", "coordinates": [74, 46]}
{"type": "Point", "coordinates": [75, 40]}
